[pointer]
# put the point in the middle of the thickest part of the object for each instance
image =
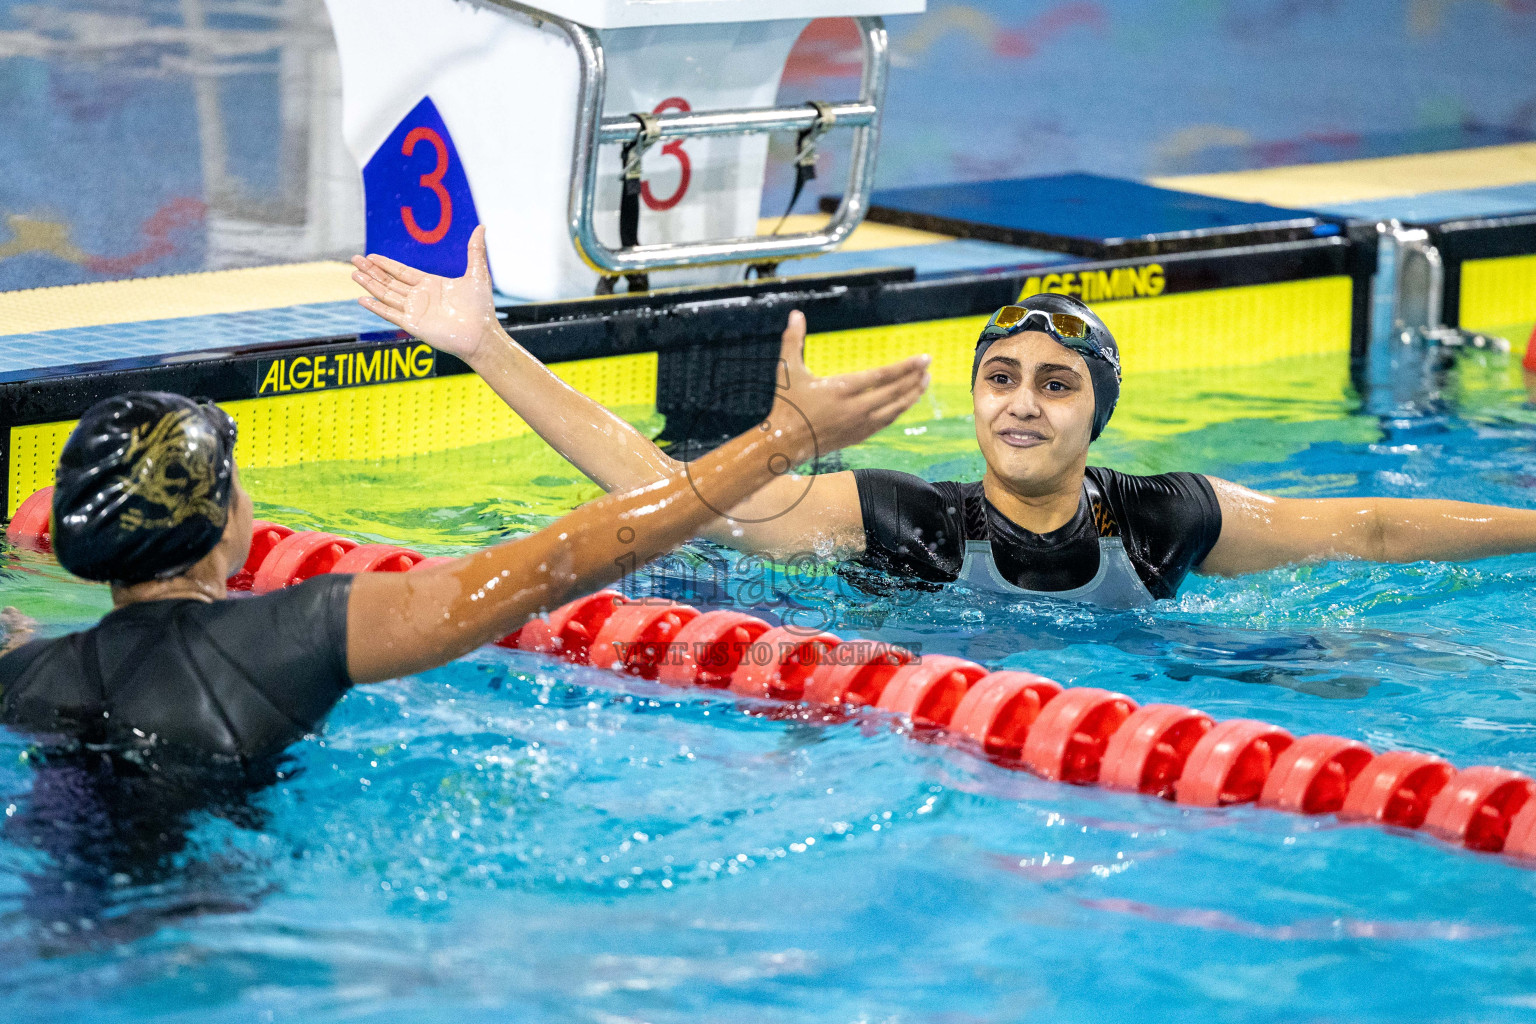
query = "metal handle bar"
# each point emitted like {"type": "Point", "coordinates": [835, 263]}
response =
{"type": "Point", "coordinates": [592, 130]}
{"type": "Point", "coordinates": [736, 122]}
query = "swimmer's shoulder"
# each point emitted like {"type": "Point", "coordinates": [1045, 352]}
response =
{"type": "Point", "coordinates": [912, 526]}
{"type": "Point", "coordinates": [15, 664]}
{"type": "Point", "coordinates": [892, 485]}
{"type": "Point", "coordinates": [319, 597]}
{"type": "Point", "coordinates": [42, 675]}
{"type": "Point", "coordinates": [304, 623]}
{"type": "Point", "coordinates": [1155, 491]}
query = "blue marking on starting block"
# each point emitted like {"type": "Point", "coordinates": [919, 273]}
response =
{"type": "Point", "coordinates": [418, 206]}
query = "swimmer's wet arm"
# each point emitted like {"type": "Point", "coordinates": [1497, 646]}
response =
{"type": "Point", "coordinates": [458, 316]}
{"type": "Point", "coordinates": [790, 515]}
{"type": "Point", "coordinates": [398, 623]}
{"type": "Point", "coordinates": [795, 516]}
{"type": "Point", "coordinates": [1261, 532]}
{"type": "Point", "coordinates": [608, 449]}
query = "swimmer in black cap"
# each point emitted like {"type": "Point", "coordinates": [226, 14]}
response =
{"type": "Point", "coordinates": [1045, 380]}
{"type": "Point", "coordinates": [148, 498]}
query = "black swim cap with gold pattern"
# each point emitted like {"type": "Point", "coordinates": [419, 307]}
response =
{"type": "Point", "coordinates": [143, 487]}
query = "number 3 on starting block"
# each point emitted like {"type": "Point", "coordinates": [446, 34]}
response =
{"type": "Point", "coordinates": [419, 208]}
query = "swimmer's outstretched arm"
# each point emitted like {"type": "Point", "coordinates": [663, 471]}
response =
{"type": "Point", "coordinates": [398, 623]}
{"type": "Point", "coordinates": [1260, 532]}
{"type": "Point", "coordinates": [456, 315]}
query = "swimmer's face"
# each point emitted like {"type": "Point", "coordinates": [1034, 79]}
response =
{"type": "Point", "coordinates": [1033, 401]}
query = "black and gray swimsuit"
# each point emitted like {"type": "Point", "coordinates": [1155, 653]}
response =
{"type": "Point", "coordinates": [1132, 541]}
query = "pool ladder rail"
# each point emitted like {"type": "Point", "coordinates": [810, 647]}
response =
{"type": "Point", "coordinates": [1410, 345]}
{"type": "Point", "coordinates": [1080, 735]}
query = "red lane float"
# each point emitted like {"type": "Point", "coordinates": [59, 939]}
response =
{"type": "Point", "coordinates": [1396, 788]}
{"type": "Point", "coordinates": [636, 638]}
{"type": "Point", "coordinates": [779, 663]}
{"type": "Point", "coordinates": [1081, 735]}
{"type": "Point", "coordinates": [1231, 763]}
{"type": "Point", "coordinates": [859, 681]}
{"type": "Point", "coordinates": [998, 711]}
{"type": "Point", "coordinates": [1477, 807]}
{"type": "Point", "coordinates": [1521, 841]}
{"type": "Point", "coordinates": [1148, 753]}
{"type": "Point", "coordinates": [568, 631]}
{"type": "Point", "coordinates": [707, 650]}
{"type": "Point", "coordinates": [264, 537]}
{"type": "Point", "coordinates": [1067, 741]}
{"type": "Point", "coordinates": [378, 558]}
{"type": "Point", "coordinates": [1313, 774]}
{"type": "Point", "coordinates": [31, 527]}
{"type": "Point", "coordinates": [929, 691]}
{"type": "Point", "coordinates": [297, 557]}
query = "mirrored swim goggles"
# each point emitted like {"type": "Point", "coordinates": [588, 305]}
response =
{"type": "Point", "coordinates": [1072, 331]}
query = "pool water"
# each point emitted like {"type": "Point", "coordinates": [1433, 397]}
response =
{"type": "Point", "coordinates": [509, 838]}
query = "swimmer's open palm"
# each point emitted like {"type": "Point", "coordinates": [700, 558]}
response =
{"type": "Point", "coordinates": [845, 409]}
{"type": "Point", "coordinates": [452, 314]}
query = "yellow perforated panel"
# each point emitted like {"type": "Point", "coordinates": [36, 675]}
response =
{"type": "Point", "coordinates": [34, 454]}
{"type": "Point", "coordinates": [1498, 292]}
{"type": "Point", "coordinates": [379, 422]}
{"type": "Point", "coordinates": [1232, 326]}
{"type": "Point", "coordinates": [1186, 331]}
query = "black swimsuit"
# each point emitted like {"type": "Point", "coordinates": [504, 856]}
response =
{"type": "Point", "coordinates": [918, 531]}
{"type": "Point", "coordinates": [237, 679]}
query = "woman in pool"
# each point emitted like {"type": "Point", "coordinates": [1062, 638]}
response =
{"type": "Point", "coordinates": [148, 498]}
{"type": "Point", "coordinates": [1044, 382]}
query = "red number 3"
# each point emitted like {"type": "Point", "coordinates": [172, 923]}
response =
{"type": "Point", "coordinates": [674, 149]}
{"type": "Point", "coordinates": [433, 181]}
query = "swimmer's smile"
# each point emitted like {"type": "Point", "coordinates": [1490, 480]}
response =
{"type": "Point", "coordinates": [1016, 438]}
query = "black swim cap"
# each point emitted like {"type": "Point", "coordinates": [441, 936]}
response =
{"type": "Point", "coordinates": [1100, 353]}
{"type": "Point", "coordinates": [143, 487]}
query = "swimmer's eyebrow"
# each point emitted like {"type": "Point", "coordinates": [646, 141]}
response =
{"type": "Point", "coordinates": [1012, 364]}
{"type": "Point", "coordinates": [1057, 368]}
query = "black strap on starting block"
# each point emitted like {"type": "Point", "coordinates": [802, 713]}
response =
{"type": "Point", "coordinates": [805, 154]}
{"type": "Point", "coordinates": [629, 199]}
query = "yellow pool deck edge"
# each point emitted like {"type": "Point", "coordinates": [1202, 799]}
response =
{"type": "Point", "coordinates": [293, 284]}
{"type": "Point", "coordinates": [1348, 181]}
{"type": "Point", "coordinates": [177, 295]}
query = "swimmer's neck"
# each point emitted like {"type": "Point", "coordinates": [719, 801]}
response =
{"type": "Point", "coordinates": [205, 581]}
{"type": "Point", "coordinates": [1038, 509]}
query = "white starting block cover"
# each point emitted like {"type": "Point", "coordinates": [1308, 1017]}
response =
{"type": "Point", "coordinates": [634, 13]}
{"type": "Point", "coordinates": [462, 114]}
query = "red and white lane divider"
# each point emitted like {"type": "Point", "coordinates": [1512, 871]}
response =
{"type": "Point", "coordinates": [1081, 735]}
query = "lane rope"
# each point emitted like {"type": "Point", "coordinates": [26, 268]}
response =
{"type": "Point", "coordinates": [1081, 735]}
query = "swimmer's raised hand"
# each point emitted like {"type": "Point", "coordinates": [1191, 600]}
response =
{"type": "Point", "coordinates": [452, 314]}
{"type": "Point", "coordinates": [845, 409]}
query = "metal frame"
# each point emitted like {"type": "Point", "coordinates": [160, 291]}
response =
{"type": "Point", "coordinates": [1410, 344]}
{"type": "Point", "coordinates": [593, 131]}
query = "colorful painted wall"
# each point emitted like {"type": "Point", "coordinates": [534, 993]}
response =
{"type": "Point", "coordinates": [158, 138]}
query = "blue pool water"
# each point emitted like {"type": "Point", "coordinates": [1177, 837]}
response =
{"type": "Point", "coordinates": [509, 838]}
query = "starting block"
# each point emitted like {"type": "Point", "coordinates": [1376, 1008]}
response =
{"type": "Point", "coordinates": [595, 139]}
